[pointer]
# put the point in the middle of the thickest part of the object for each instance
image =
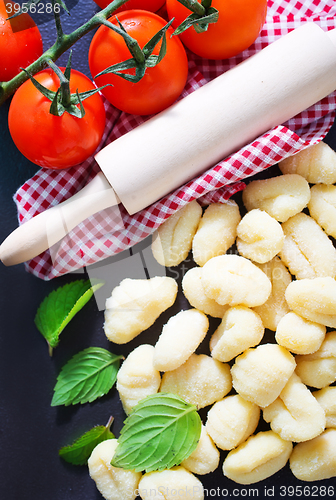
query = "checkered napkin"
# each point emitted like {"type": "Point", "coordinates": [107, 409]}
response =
{"type": "Point", "coordinates": [113, 230]}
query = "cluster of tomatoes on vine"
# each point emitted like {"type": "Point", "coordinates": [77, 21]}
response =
{"type": "Point", "coordinates": [137, 59]}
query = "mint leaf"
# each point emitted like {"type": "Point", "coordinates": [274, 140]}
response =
{"type": "Point", "coordinates": [80, 450]}
{"type": "Point", "coordinates": [160, 432]}
{"type": "Point", "coordinates": [87, 376]}
{"type": "Point", "coordinates": [60, 306]}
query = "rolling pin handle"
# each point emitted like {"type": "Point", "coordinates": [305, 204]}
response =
{"type": "Point", "coordinates": [49, 227]}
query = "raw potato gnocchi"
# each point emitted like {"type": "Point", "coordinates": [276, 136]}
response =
{"type": "Point", "coordinates": [134, 306]}
{"type": "Point", "coordinates": [240, 329]}
{"type": "Point", "coordinates": [259, 236]}
{"type": "Point", "coordinates": [260, 373]}
{"type": "Point", "coordinates": [216, 232]}
{"type": "Point", "coordinates": [172, 241]}
{"type": "Point", "coordinates": [322, 207]}
{"type": "Point", "coordinates": [205, 458]}
{"type": "Point", "coordinates": [113, 483]}
{"type": "Point", "coordinates": [327, 399]}
{"type": "Point", "coordinates": [295, 415]}
{"type": "Point", "coordinates": [281, 197]}
{"type": "Point", "coordinates": [259, 457]}
{"type": "Point", "coordinates": [200, 381]}
{"type": "Point", "coordinates": [179, 338]}
{"type": "Point", "coordinates": [307, 250]}
{"type": "Point", "coordinates": [231, 421]}
{"type": "Point", "coordinates": [234, 280]}
{"type": "Point", "coordinates": [315, 460]}
{"type": "Point", "coordinates": [248, 293]}
{"type": "Point", "coordinates": [314, 299]}
{"type": "Point", "coordinates": [275, 306]}
{"type": "Point", "coordinates": [137, 377]}
{"type": "Point", "coordinates": [317, 164]}
{"type": "Point", "coordinates": [193, 291]}
{"type": "Point", "coordinates": [299, 335]}
{"type": "Point", "coordinates": [172, 484]}
{"type": "Point", "coordinates": [319, 368]}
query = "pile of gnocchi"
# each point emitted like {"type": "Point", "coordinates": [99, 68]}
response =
{"type": "Point", "coordinates": [280, 277]}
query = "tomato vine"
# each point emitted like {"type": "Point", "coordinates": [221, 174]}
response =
{"type": "Point", "coordinates": [62, 44]}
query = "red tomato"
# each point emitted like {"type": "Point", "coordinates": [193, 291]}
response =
{"type": "Point", "coordinates": [239, 23]}
{"type": "Point", "coordinates": [151, 5]}
{"type": "Point", "coordinates": [160, 86]}
{"type": "Point", "coordinates": [55, 141]}
{"type": "Point", "coordinates": [20, 41]}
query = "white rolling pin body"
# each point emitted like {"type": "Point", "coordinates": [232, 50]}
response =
{"type": "Point", "coordinates": [171, 148]}
{"type": "Point", "coordinates": [264, 91]}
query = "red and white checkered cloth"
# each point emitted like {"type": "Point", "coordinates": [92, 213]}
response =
{"type": "Point", "coordinates": [114, 230]}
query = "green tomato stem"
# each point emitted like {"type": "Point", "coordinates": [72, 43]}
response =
{"type": "Point", "coordinates": [131, 43]}
{"type": "Point", "coordinates": [202, 15]}
{"type": "Point", "coordinates": [57, 17]}
{"type": "Point", "coordinates": [206, 4]}
{"type": "Point", "coordinates": [61, 45]}
{"type": "Point", "coordinates": [64, 84]}
{"type": "Point", "coordinates": [194, 6]}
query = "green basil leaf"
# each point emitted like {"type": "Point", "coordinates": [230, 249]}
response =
{"type": "Point", "coordinates": [88, 375]}
{"type": "Point", "coordinates": [80, 450]}
{"type": "Point", "coordinates": [60, 306]}
{"type": "Point", "coordinates": [159, 433]}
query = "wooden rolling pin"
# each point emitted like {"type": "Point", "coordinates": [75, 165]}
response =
{"type": "Point", "coordinates": [142, 166]}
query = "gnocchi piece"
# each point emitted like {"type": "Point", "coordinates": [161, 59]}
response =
{"type": "Point", "coordinates": [322, 207]}
{"type": "Point", "coordinates": [307, 250]}
{"type": "Point", "coordinates": [193, 290]}
{"type": "Point", "coordinates": [259, 236]}
{"type": "Point", "coordinates": [205, 458]}
{"type": "Point", "coordinates": [113, 483]}
{"type": "Point", "coordinates": [240, 329]}
{"type": "Point", "coordinates": [281, 197]}
{"type": "Point", "coordinates": [170, 484]}
{"type": "Point", "coordinates": [201, 380]}
{"type": "Point", "coordinates": [317, 164]}
{"type": "Point", "coordinates": [275, 306]}
{"type": "Point", "coordinates": [172, 241]}
{"type": "Point", "coordinates": [137, 377]}
{"type": "Point", "coordinates": [135, 305]}
{"type": "Point", "coordinates": [259, 457]}
{"type": "Point", "coordinates": [327, 399]}
{"type": "Point", "coordinates": [260, 373]}
{"type": "Point", "coordinates": [234, 280]}
{"type": "Point", "coordinates": [315, 460]}
{"type": "Point", "coordinates": [216, 232]}
{"type": "Point", "coordinates": [231, 421]}
{"type": "Point", "coordinates": [295, 415]}
{"type": "Point", "coordinates": [179, 338]}
{"type": "Point", "coordinates": [314, 299]}
{"type": "Point", "coordinates": [299, 335]}
{"type": "Point", "coordinates": [319, 368]}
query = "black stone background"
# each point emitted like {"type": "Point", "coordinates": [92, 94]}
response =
{"type": "Point", "coordinates": [31, 431]}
